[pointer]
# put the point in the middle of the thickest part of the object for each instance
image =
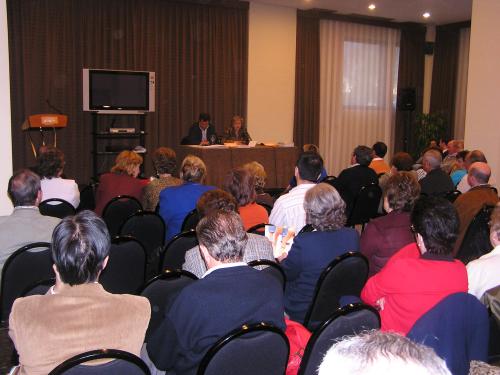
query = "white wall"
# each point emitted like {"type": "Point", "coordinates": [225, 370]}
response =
{"type": "Point", "coordinates": [271, 72]}
{"type": "Point", "coordinates": [5, 135]}
{"type": "Point", "coordinates": [482, 127]}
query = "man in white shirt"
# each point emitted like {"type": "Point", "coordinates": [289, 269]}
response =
{"type": "Point", "coordinates": [288, 210]}
{"type": "Point", "coordinates": [484, 272]}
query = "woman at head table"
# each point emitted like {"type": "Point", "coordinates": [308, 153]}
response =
{"type": "Point", "coordinates": [237, 132]}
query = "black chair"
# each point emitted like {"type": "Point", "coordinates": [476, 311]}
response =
{"type": "Point", "coordinates": [122, 363]}
{"type": "Point", "coordinates": [267, 207]}
{"type": "Point", "coordinates": [175, 251]}
{"type": "Point", "coordinates": [117, 210]}
{"type": "Point", "coordinates": [365, 205]}
{"type": "Point", "coordinates": [149, 229]}
{"type": "Point", "coordinates": [161, 291]}
{"type": "Point", "coordinates": [190, 221]}
{"type": "Point", "coordinates": [345, 276]}
{"type": "Point", "coordinates": [258, 229]}
{"type": "Point", "coordinates": [306, 228]}
{"type": "Point", "coordinates": [22, 269]}
{"type": "Point", "coordinates": [87, 197]}
{"type": "Point", "coordinates": [329, 180]}
{"type": "Point", "coordinates": [249, 350]}
{"type": "Point", "coordinates": [348, 320]}
{"type": "Point", "coordinates": [57, 208]}
{"type": "Point", "coordinates": [476, 241]}
{"type": "Point", "coordinates": [126, 269]}
{"type": "Point", "coordinates": [271, 268]}
{"type": "Point", "coordinates": [38, 288]}
{"type": "Point", "coordinates": [452, 195]}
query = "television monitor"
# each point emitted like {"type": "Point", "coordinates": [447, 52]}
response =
{"type": "Point", "coordinates": [118, 91]}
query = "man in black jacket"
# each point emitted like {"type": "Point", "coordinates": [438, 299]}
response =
{"type": "Point", "coordinates": [201, 132]}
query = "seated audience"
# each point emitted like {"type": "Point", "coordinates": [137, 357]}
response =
{"type": "Point", "coordinates": [377, 353]}
{"type": "Point", "coordinates": [419, 275]}
{"type": "Point", "coordinates": [122, 180]}
{"type": "Point", "coordinates": [454, 147]}
{"type": "Point", "coordinates": [312, 252]}
{"type": "Point", "coordinates": [288, 210]}
{"type": "Point", "coordinates": [443, 146]}
{"type": "Point", "coordinates": [237, 132]}
{"type": "Point", "coordinates": [164, 161]}
{"type": "Point", "coordinates": [400, 162]}
{"type": "Point", "coordinates": [308, 147]}
{"type": "Point", "coordinates": [201, 132]}
{"type": "Point", "coordinates": [385, 235]}
{"type": "Point", "coordinates": [259, 173]}
{"type": "Point", "coordinates": [378, 164]}
{"type": "Point", "coordinates": [257, 247]}
{"type": "Point", "coordinates": [469, 203]}
{"type": "Point", "coordinates": [177, 201]}
{"type": "Point", "coordinates": [436, 182]}
{"type": "Point", "coordinates": [50, 168]}
{"type": "Point", "coordinates": [458, 170]}
{"type": "Point", "coordinates": [241, 184]}
{"type": "Point", "coordinates": [352, 179]}
{"type": "Point", "coordinates": [228, 295]}
{"type": "Point", "coordinates": [471, 158]}
{"type": "Point", "coordinates": [77, 314]}
{"type": "Point", "coordinates": [484, 273]}
{"type": "Point", "coordinates": [25, 224]}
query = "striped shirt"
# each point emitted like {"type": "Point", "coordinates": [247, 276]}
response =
{"type": "Point", "coordinates": [288, 210]}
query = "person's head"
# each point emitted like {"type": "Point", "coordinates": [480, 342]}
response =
{"type": "Point", "coordinates": [164, 160]}
{"type": "Point", "coordinates": [479, 174]}
{"type": "Point", "coordinates": [215, 200]}
{"type": "Point", "coordinates": [325, 209]}
{"type": "Point", "coordinates": [380, 149]}
{"type": "Point", "coordinates": [460, 161]}
{"type": "Point", "coordinates": [259, 173]}
{"type": "Point", "coordinates": [435, 222]}
{"type": "Point", "coordinates": [431, 160]}
{"type": "Point", "coordinates": [455, 146]}
{"type": "Point", "coordinates": [402, 161]}
{"type": "Point", "coordinates": [401, 192]}
{"type": "Point", "coordinates": [127, 163]}
{"type": "Point", "coordinates": [433, 143]}
{"type": "Point", "coordinates": [193, 169]}
{"type": "Point", "coordinates": [495, 226]}
{"type": "Point", "coordinates": [50, 162]}
{"type": "Point", "coordinates": [80, 248]}
{"type": "Point", "coordinates": [222, 238]}
{"type": "Point", "coordinates": [237, 123]}
{"type": "Point", "coordinates": [241, 184]}
{"type": "Point", "coordinates": [24, 188]}
{"type": "Point", "coordinates": [377, 352]}
{"type": "Point", "coordinates": [204, 120]}
{"type": "Point", "coordinates": [473, 157]}
{"type": "Point", "coordinates": [310, 147]}
{"type": "Point", "coordinates": [308, 167]}
{"type": "Point", "coordinates": [362, 155]}
{"type": "Point", "coordinates": [443, 144]}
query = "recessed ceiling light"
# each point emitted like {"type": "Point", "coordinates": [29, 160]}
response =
{"type": "Point", "coordinates": [426, 15]}
{"type": "Point", "coordinates": [371, 6]}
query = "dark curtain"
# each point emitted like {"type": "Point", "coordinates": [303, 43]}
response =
{"type": "Point", "coordinates": [444, 74]}
{"type": "Point", "coordinates": [306, 117]}
{"type": "Point", "coordinates": [198, 51]}
{"type": "Point", "coordinates": [410, 75]}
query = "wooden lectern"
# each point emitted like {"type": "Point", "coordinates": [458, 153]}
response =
{"type": "Point", "coordinates": [44, 122]}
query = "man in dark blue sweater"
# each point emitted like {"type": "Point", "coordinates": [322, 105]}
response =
{"type": "Point", "coordinates": [228, 295]}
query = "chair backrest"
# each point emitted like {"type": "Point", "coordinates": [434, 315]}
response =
{"type": "Point", "coordinates": [56, 207]}
{"type": "Point", "coordinates": [117, 210]}
{"type": "Point", "coordinates": [345, 276]}
{"type": "Point", "coordinates": [190, 221]}
{"type": "Point", "coordinates": [249, 350]}
{"type": "Point", "coordinates": [457, 329]}
{"type": "Point", "coordinates": [258, 229]}
{"type": "Point", "coordinates": [126, 269]}
{"type": "Point", "coordinates": [476, 241]}
{"type": "Point", "coordinates": [39, 288]}
{"type": "Point", "coordinates": [87, 198]}
{"type": "Point", "coordinates": [121, 363]}
{"type": "Point", "coordinates": [306, 229]}
{"type": "Point", "coordinates": [365, 205]}
{"type": "Point", "coordinates": [271, 268]}
{"type": "Point", "coordinates": [149, 229]}
{"type": "Point", "coordinates": [267, 207]}
{"type": "Point", "coordinates": [348, 320]}
{"type": "Point", "coordinates": [175, 251]}
{"type": "Point", "coordinates": [26, 266]}
{"type": "Point", "coordinates": [161, 291]}
{"type": "Point", "coordinates": [329, 180]}
{"type": "Point", "coordinates": [452, 195]}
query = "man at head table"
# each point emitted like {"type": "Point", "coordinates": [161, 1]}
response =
{"type": "Point", "coordinates": [201, 132]}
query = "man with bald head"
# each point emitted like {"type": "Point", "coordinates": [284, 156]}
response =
{"type": "Point", "coordinates": [469, 203]}
{"type": "Point", "coordinates": [471, 158]}
{"type": "Point", "coordinates": [436, 182]}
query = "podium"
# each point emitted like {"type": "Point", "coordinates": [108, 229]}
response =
{"type": "Point", "coordinates": [44, 122]}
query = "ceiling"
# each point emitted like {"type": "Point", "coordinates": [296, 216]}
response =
{"type": "Point", "coordinates": [442, 11]}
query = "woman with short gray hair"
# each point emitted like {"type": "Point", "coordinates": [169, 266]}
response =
{"type": "Point", "coordinates": [313, 251]}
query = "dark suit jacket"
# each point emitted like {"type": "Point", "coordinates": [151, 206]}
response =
{"type": "Point", "coordinates": [194, 135]}
{"type": "Point", "coordinates": [436, 182]}
{"type": "Point", "coordinates": [351, 180]}
{"type": "Point", "coordinates": [208, 309]}
{"type": "Point", "coordinates": [310, 254]}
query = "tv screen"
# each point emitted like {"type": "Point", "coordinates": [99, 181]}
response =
{"type": "Point", "coordinates": [118, 91]}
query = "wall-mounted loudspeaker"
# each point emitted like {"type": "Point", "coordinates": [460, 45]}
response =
{"type": "Point", "coordinates": [407, 98]}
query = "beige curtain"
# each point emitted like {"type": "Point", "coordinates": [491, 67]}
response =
{"type": "Point", "coordinates": [461, 93]}
{"type": "Point", "coordinates": [358, 83]}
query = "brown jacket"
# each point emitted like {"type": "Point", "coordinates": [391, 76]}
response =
{"type": "Point", "coordinates": [51, 328]}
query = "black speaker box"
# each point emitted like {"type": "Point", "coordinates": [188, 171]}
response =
{"type": "Point", "coordinates": [407, 98]}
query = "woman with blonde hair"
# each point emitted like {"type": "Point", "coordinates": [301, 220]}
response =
{"type": "Point", "coordinates": [122, 180]}
{"type": "Point", "coordinates": [260, 175]}
{"type": "Point", "coordinates": [237, 132]}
